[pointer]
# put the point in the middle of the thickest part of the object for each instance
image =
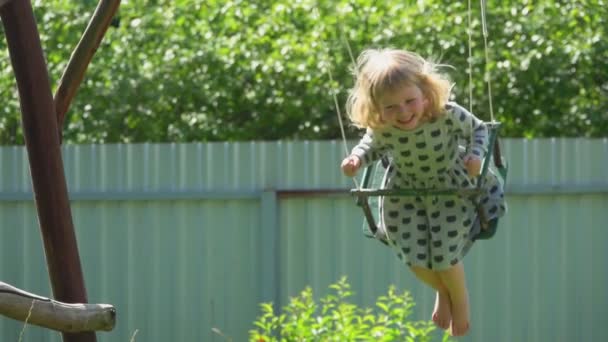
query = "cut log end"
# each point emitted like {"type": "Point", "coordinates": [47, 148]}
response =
{"type": "Point", "coordinates": [65, 317]}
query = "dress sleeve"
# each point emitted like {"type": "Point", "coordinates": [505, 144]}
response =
{"type": "Point", "coordinates": [471, 129]}
{"type": "Point", "coordinates": [368, 149]}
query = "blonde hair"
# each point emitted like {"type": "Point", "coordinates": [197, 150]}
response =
{"type": "Point", "coordinates": [380, 71]}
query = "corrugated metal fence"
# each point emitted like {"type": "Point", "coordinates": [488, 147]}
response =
{"type": "Point", "coordinates": [183, 238]}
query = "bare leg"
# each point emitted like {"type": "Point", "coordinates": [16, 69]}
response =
{"type": "Point", "coordinates": [442, 314]}
{"type": "Point", "coordinates": [455, 282]}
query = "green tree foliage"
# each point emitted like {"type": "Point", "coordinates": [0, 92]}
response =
{"type": "Point", "coordinates": [193, 70]}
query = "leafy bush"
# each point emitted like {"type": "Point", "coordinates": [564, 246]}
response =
{"type": "Point", "coordinates": [335, 319]}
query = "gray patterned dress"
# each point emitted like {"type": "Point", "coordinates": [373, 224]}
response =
{"type": "Point", "coordinates": [432, 232]}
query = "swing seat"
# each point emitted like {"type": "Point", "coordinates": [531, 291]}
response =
{"type": "Point", "coordinates": [490, 230]}
{"type": "Point", "coordinates": [371, 186]}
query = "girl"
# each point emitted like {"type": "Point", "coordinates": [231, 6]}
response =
{"type": "Point", "coordinates": [402, 101]}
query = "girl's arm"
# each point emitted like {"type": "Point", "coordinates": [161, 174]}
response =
{"type": "Point", "coordinates": [475, 133]}
{"type": "Point", "coordinates": [472, 130]}
{"type": "Point", "coordinates": [368, 150]}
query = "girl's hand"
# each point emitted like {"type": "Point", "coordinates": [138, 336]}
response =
{"type": "Point", "coordinates": [473, 165]}
{"type": "Point", "coordinates": [350, 165]}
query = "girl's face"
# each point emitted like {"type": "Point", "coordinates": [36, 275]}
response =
{"type": "Point", "coordinates": [404, 107]}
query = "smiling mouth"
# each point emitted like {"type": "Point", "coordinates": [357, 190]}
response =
{"type": "Point", "coordinates": [405, 122]}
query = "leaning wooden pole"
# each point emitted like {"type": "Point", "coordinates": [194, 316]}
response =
{"type": "Point", "coordinates": [81, 57]}
{"type": "Point", "coordinates": [46, 167]}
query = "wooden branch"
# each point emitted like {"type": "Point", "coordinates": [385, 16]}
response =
{"type": "Point", "coordinates": [81, 57]}
{"type": "Point", "coordinates": [71, 318]}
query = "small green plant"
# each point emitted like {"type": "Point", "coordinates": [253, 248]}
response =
{"type": "Point", "coordinates": [335, 319]}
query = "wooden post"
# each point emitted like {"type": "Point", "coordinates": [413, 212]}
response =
{"type": "Point", "coordinates": [46, 167]}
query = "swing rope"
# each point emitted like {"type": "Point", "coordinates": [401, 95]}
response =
{"type": "Point", "coordinates": [333, 93]}
{"type": "Point", "coordinates": [470, 59]}
{"type": "Point", "coordinates": [344, 143]}
{"type": "Point", "coordinates": [498, 162]}
{"type": "Point", "coordinates": [486, 55]}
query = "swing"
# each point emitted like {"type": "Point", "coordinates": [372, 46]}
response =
{"type": "Point", "coordinates": [372, 186]}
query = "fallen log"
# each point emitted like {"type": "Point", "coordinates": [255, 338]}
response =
{"type": "Point", "coordinates": [48, 313]}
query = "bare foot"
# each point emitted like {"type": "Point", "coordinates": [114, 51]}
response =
{"type": "Point", "coordinates": [460, 316]}
{"type": "Point", "coordinates": [442, 314]}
